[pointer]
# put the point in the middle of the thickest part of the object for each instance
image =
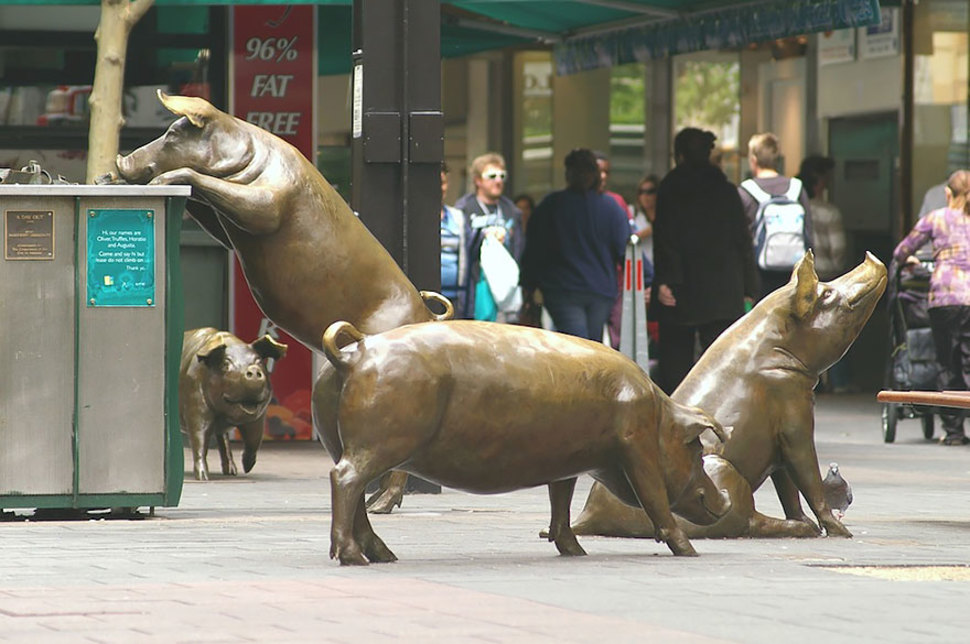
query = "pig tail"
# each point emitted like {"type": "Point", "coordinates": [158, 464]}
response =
{"type": "Point", "coordinates": [337, 357]}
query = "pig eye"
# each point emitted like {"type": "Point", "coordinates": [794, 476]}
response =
{"type": "Point", "coordinates": [827, 295]}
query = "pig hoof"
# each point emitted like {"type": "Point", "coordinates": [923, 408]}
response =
{"type": "Point", "coordinates": [248, 461]}
{"type": "Point", "coordinates": [377, 552]}
{"type": "Point", "coordinates": [836, 529]}
{"type": "Point", "coordinates": [229, 469]}
{"type": "Point", "coordinates": [383, 502]}
{"type": "Point", "coordinates": [349, 556]}
{"type": "Point", "coordinates": [567, 546]}
{"type": "Point", "coordinates": [681, 546]}
{"type": "Point", "coordinates": [201, 475]}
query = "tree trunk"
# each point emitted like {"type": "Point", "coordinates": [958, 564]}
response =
{"type": "Point", "coordinates": [104, 133]}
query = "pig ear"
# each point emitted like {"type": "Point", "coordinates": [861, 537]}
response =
{"type": "Point", "coordinates": [197, 110]}
{"type": "Point", "coordinates": [212, 356]}
{"type": "Point", "coordinates": [806, 286]}
{"type": "Point", "coordinates": [267, 347]}
{"type": "Point", "coordinates": [700, 422]}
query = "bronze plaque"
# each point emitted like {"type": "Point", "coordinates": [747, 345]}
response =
{"type": "Point", "coordinates": [28, 234]}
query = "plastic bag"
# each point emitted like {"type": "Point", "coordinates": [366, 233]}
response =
{"type": "Point", "coordinates": [502, 273]}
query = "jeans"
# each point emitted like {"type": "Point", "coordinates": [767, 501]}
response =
{"type": "Point", "coordinates": [577, 313]}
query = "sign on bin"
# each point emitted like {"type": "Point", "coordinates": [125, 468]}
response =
{"type": "Point", "coordinates": [121, 257]}
{"type": "Point", "coordinates": [28, 234]}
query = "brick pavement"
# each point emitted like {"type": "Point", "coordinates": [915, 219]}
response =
{"type": "Point", "coordinates": [246, 560]}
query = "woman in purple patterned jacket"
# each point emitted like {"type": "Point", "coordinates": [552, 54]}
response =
{"type": "Point", "coordinates": [949, 299]}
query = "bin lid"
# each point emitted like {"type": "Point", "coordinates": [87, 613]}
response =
{"type": "Point", "coordinates": [86, 190]}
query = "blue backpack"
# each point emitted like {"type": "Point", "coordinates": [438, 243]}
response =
{"type": "Point", "coordinates": [779, 226]}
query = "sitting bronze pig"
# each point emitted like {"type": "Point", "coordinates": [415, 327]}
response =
{"type": "Point", "coordinates": [759, 377]}
{"type": "Point", "coordinates": [223, 384]}
{"type": "Point", "coordinates": [490, 408]}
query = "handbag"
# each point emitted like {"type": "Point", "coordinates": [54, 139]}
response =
{"type": "Point", "coordinates": [484, 304]}
{"type": "Point", "coordinates": [502, 273]}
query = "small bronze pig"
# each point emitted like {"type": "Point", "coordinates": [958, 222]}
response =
{"type": "Point", "coordinates": [490, 408]}
{"type": "Point", "coordinates": [223, 384]}
{"type": "Point", "coordinates": [759, 377]}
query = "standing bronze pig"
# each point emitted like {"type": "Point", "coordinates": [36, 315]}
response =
{"type": "Point", "coordinates": [223, 384]}
{"type": "Point", "coordinates": [759, 376]}
{"type": "Point", "coordinates": [490, 408]}
{"type": "Point", "coordinates": [308, 259]}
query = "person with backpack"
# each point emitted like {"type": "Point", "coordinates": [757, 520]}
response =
{"type": "Point", "coordinates": [703, 257]}
{"type": "Point", "coordinates": [778, 212]}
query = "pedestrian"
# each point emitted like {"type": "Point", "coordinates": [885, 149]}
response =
{"type": "Point", "coordinates": [786, 203]}
{"type": "Point", "coordinates": [454, 253]}
{"type": "Point", "coordinates": [616, 313]}
{"type": "Point", "coordinates": [828, 233]}
{"type": "Point", "coordinates": [488, 213]}
{"type": "Point", "coordinates": [828, 244]}
{"type": "Point", "coordinates": [645, 213]}
{"type": "Point", "coordinates": [574, 241]}
{"type": "Point", "coordinates": [948, 228]}
{"type": "Point", "coordinates": [704, 259]}
{"type": "Point", "coordinates": [526, 204]}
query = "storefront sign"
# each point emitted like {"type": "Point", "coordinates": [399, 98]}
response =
{"type": "Point", "coordinates": [274, 86]}
{"type": "Point", "coordinates": [121, 257]}
{"type": "Point", "coordinates": [836, 46]}
{"type": "Point", "coordinates": [28, 234]}
{"type": "Point", "coordinates": [882, 39]}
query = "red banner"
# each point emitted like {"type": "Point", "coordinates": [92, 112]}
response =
{"type": "Point", "coordinates": [273, 54]}
{"type": "Point", "coordinates": [273, 75]}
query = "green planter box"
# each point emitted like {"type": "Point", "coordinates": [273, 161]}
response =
{"type": "Point", "coordinates": [91, 312]}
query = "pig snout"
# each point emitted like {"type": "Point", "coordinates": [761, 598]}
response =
{"type": "Point", "coordinates": [255, 373]}
{"type": "Point", "coordinates": [704, 504]}
{"type": "Point", "coordinates": [865, 283]}
{"type": "Point", "coordinates": [136, 167]}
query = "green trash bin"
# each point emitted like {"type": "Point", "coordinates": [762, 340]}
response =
{"type": "Point", "coordinates": [91, 319]}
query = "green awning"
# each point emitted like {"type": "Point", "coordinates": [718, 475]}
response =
{"type": "Point", "coordinates": [586, 34]}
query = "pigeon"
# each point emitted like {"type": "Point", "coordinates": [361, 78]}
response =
{"type": "Point", "coordinates": [838, 492]}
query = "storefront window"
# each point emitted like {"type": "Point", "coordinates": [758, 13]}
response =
{"type": "Point", "coordinates": [941, 89]}
{"type": "Point", "coordinates": [534, 170]}
{"type": "Point", "coordinates": [47, 62]}
{"type": "Point", "coordinates": [707, 88]}
{"type": "Point", "coordinates": [627, 119]}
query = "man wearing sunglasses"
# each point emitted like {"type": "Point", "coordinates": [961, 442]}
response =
{"type": "Point", "coordinates": [488, 213]}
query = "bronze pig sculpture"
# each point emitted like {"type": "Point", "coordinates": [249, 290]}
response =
{"type": "Point", "coordinates": [308, 259]}
{"type": "Point", "coordinates": [223, 384]}
{"type": "Point", "coordinates": [759, 377]}
{"type": "Point", "coordinates": [490, 408]}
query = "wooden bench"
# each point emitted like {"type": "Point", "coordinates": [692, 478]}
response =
{"type": "Point", "coordinates": [959, 399]}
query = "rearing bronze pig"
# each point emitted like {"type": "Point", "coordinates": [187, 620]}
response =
{"type": "Point", "coordinates": [490, 408]}
{"type": "Point", "coordinates": [308, 259]}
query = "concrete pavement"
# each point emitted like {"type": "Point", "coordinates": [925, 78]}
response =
{"type": "Point", "coordinates": [246, 560]}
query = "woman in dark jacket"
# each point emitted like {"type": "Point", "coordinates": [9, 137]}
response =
{"type": "Point", "coordinates": [573, 242]}
{"type": "Point", "coordinates": [703, 256]}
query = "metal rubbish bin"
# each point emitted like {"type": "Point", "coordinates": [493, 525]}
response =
{"type": "Point", "coordinates": [90, 342]}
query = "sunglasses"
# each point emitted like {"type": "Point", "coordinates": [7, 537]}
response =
{"type": "Point", "coordinates": [648, 191]}
{"type": "Point", "coordinates": [492, 176]}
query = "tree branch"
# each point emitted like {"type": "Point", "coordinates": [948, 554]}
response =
{"type": "Point", "coordinates": [137, 9]}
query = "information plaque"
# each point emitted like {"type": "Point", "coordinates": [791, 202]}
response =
{"type": "Point", "coordinates": [28, 234]}
{"type": "Point", "coordinates": [121, 257]}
